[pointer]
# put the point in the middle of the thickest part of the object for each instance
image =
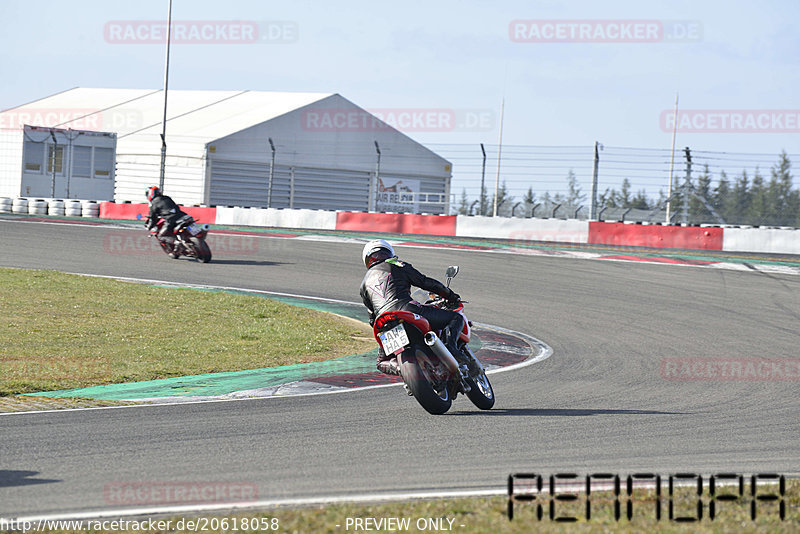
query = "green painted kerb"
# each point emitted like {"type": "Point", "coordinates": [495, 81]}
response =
{"type": "Point", "coordinates": [224, 383]}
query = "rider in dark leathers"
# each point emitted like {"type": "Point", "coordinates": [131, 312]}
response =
{"type": "Point", "coordinates": [387, 287]}
{"type": "Point", "coordinates": [162, 207]}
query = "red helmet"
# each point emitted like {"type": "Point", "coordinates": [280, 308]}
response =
{"type": "Point", "coordinates": [153, 192]}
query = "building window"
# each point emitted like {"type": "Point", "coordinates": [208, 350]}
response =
{"type": "Point", "coordinates": [103, 162]}
{"type": "Point", "coordinates": [59, 158]}
{"type": "Point", "coordinates": [34, 156]}
{"type": "Point", "coordinates": [82, 161]}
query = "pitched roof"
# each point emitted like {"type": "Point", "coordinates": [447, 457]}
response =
{"type": "Point", "coordinates": [204, 115]}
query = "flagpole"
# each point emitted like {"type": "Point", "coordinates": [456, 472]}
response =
{"type": "Point", "coordinates": [672, 158]}
{"type": "Point", "coordinates": [499, 152]}
{"type": "Point", "coordinates": [166, 85]}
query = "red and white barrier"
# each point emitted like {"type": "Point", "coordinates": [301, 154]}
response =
{"type": "Point", "coordinates": [277, 218]}
{"type": "Point", "coordinates": [397, 223]}
{"type": "Point", "coordinates": [554, 230]}
{"type": "Point", "coordinates": [638, 235]}
{"type": "Point", "coordinates": [762, 240]}
{"type": "Point", "coordinates": [133, 212]}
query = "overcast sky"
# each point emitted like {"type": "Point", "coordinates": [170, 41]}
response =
{"type": "Point", "coordinates": [571, 73]}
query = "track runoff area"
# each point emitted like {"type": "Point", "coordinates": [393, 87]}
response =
{"type": "Point", "coordinates": [524, 488]}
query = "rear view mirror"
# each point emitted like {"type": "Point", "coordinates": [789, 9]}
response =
{"type": "Point", "coordinates": [450, 273]}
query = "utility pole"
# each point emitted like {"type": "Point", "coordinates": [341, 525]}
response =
{"type": "Point", "coordinates": [595, 168]}
{"type": "Point", "coordinates": [687, 187]}
{"type": "Point", "coordinates": [377, 175]}
{"type": "Point", "coordinates": [483, 181]}
{"type": "Point", "coordinates": [53, 162]}
{"type": "Point", "coordinates": [672, 157]}
{"type": "Point", "coordinates": [499, 152]}
{"type": "Point", "coordinates": [166, 85]}
{"type": "Point", "coordinates": [271, 173]}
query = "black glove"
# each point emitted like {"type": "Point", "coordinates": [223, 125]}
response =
{"type": "Point", "coordinates": [453, 297]}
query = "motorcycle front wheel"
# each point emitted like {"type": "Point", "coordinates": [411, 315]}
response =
{"type": "Point", "coordinates": [435, 400]}
{"type": "Point", "coordinates": [481, 393]}
{"type": "Point", "coordinates": [168, 249]}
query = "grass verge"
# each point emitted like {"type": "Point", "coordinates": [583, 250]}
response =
{"type": "Point", "coordinates": [64, 331]}
{"type": "Point", "coordinates": [484, 515]}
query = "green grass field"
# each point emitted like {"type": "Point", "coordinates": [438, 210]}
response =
{"type": "Point", "coordinates": [63, 331]}
{"type": "Point", "coordinates": [489, 516]}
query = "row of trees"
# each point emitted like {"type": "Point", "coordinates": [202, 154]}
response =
{"type": "Point", "coordinates": [746, 199]}
{"type": "Point", "coordinates": [530, 204]}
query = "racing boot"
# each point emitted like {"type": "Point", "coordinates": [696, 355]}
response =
{"type": "Point", "coordinates": [451, 333]}
{"type": "Point", "coordinates": [389, 367]}
{"type": "Point", "coordinates": [467, 363]}
{"type": "Point", "coordinates": [474, 366]}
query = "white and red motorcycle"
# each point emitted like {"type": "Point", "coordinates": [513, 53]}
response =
{"type": "Point", "coordinates": [430, 372]}
{"type": "Point", "coordinates": [187, 239]}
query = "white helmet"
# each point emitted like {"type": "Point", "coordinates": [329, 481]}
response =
{"type": "Point", "coordinates": [374, 246]}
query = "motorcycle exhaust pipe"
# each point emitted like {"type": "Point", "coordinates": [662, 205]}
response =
{"type": "Point", "coordinates": [436, 345]}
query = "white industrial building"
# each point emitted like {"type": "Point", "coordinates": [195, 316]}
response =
{"type": "Point", "coordinates": [56, 162]}
{"type": "Point", "coordinates": [234, 148]}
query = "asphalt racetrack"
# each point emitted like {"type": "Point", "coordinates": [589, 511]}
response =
{"type": "Point", "coordinates": [607, 400]}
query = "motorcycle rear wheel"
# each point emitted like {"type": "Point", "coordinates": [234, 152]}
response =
{"type": "Point", "coordinates": [415, 378]}
{"type": "Point", "coordinates": [201, 250]}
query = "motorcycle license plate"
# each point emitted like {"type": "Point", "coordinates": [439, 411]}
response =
{"type": "Point", "coordinates": [394, 340]}
{"type": "Point", "coordinates": [194, 230]}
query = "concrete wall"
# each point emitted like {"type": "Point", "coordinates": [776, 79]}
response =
{"type": "Point", "coordinates": [557, 230]}
{"type": "Point", "coordinates": [10, 162]}
{"type": "Point", "coordinates": [766, 240]}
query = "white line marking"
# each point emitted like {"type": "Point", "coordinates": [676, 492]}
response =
{"type": "Point", "coordinates": [340, 499]}
{"type": "Point", "coordinates": [226, 288]}
{"type": "Point", "coordinates": [272, 503]}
